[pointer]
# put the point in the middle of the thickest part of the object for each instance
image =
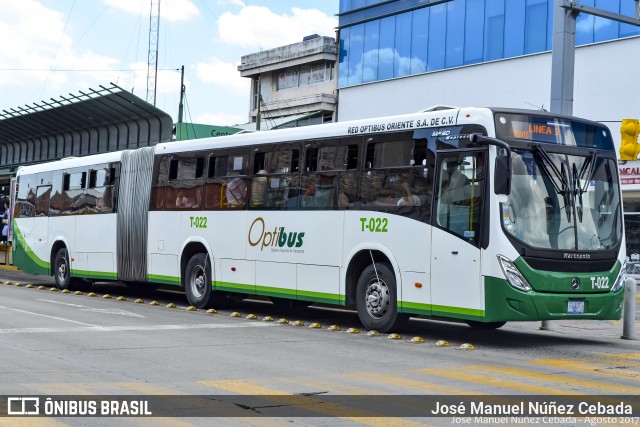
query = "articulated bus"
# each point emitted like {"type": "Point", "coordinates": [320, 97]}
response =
{"type": "Point", "coordinates": [475, 214]}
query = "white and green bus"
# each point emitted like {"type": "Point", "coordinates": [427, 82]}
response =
{"type": "Point", "coordinates": [483, 215]}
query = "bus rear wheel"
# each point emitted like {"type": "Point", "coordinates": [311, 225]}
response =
{"type": "Point", "coordinates": [197, 282]}
{"type": "Point", "coordinates": [62, 272]}
{"type": "Point", "coordinates": [377, 299]}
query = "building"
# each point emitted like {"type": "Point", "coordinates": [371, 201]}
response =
{"type": "Point", "coordinates": [293, 85]}
{"type": "Point", "coordinates": [404, 55]}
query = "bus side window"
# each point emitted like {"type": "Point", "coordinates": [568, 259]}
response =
{"type": "Point", "coordinates": [226, 183]}
{"type": "Point", "coordinates": [73, 191]}
{"type": "Point", "coordinates": [99, 191]}
{"type": "Point", "coordinates": [55, 202]}
{"type": "Point", "coordinates": [43, 195]}
{"type": "Point", "coordinates": [397, 176]}
{"type": "Point", "coordinates": [184, 189]}
{"type": "Point", "coordinates": [329, 180]}
{"type": "Point", "coordinates": [212, 185]}
{"type": "Point", "coordinates": [233, 194]}
{"type": "Point", "coordinates": [159, 184]}
{"type": "Point", "coordinates": [275, 178]}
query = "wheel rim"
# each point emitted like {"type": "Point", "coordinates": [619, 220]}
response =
{"type": "Point", "coordinates": [197, 281]}
{"type": "Point", "coordinates": [377, 298]}
{"type": "Point", "coordinates": [62, 270]}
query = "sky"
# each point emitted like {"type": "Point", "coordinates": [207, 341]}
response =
{"type": "Point", "coordinates": [53, 48]}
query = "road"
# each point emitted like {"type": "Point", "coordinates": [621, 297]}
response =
{"type": "Point", "coordinates": [54, 343]}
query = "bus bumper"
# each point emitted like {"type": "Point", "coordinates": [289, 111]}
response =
{"type": "Point", "coordinates": [503, 303]}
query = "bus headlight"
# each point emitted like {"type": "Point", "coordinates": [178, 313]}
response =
{"type": "Point", "coordinates": [513, 275]}
{"type": "Point", "coordinates": [620, 280]}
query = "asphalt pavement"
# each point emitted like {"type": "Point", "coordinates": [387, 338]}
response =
{"type": "Point", "coordinates": [605, 329]}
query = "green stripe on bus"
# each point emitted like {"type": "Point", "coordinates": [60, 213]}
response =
{"type": "Point", "coordinates": [322, 297]}
{"type": "Point", "coordinates": [94, 274]}
{"type": "Point", "coordinates": [166, 280]}
{"type": "Point", "coordinates": [462, 313]}
{"type": "Point", "coordinates": [24, 257]}
{"type": "Point", "coordinates": [233, 287]}
{"type": "Point", "coordinates": [440, 310]}
{"type": "Point", "coordinates": [275, 292]}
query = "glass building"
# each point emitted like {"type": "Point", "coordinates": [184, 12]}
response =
{"type": "Point", "coordinates": [401, 56]}
{"type": "Point", "coordinates": [381, 40]}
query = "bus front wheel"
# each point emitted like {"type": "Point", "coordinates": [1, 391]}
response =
{"type": "Point", "coordinates": [377, 299]}
{"type": "Point", "coordinates": [197, 282]}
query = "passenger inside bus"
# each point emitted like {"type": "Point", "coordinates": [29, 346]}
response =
{"type": "Point", "coordinates": [407, 197]}
{"type": "Point", "coordinates": [456, 184]}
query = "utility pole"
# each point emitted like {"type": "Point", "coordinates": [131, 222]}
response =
{"type": "Point", "coordinates": [563, 58]}
{"type": "Point", "coordinates": [564, 46]}
{"type": "Point", "coordinates": [152, 62]}
{"type": "Point", "coordinates": [259, 101]}
{"type": "Point", "coordinates": [182, 88]}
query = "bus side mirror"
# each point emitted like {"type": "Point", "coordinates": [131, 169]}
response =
{"type": "Point", "coordinates": [502, 175]}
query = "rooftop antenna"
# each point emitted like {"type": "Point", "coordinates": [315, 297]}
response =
{"type": "Point", "coordinates": [540, 108]}
{"type": "Point", "coordinates": [152, 63]}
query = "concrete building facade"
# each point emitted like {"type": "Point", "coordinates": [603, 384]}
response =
{"type": "Point", "coordinates": [293, 85]}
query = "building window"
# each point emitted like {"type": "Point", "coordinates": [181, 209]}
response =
{"type": "Point", "coordinates": [397, 43]}
{"type": "Point", "coordinates": [288, 78]}
{"type": "Point", "coordinates": [304, 75]}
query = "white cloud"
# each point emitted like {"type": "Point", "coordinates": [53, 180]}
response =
{"type": "Point", "coordinates": [35, 35]}
{"type": "Point", "coordinates": [258, 27]}
{"type": "Point", "coordinates": [225, 75]}
{"type": "Point", "coordinates": [173, 10]}
{"type": "Point", "coordinates": [233, 2]}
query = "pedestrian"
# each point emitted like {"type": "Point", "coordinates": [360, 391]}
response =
{"type": "Point", "coordinates": [6, 215]}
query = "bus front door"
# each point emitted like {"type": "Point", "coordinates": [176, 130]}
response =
{"type": "Point", "coordinates": [456, 289]}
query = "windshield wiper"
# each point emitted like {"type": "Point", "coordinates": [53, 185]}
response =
{"type": "Point", "coordinates": [586, 173]}
{"type": "Point", "coordinates": [547, 166]}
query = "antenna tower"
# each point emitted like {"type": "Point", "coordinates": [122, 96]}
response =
{"type": "Point", "coordinates": [152, 63]}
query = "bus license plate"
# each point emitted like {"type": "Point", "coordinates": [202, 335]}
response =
{"type": "Point", "coordinates": [575, 307]}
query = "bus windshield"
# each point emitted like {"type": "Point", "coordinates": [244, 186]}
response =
{"type": "Point", "coordinates": [565, 202]}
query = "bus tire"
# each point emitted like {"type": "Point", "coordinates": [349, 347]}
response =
{"type": "Point", "coordinates": [197, 282]}
{"type": "Point", "coordinates": [377, 298]}
{"type": "Point", "coordinates": [484, 325]}
{"type": "Point", "coordinates": [62, 272]}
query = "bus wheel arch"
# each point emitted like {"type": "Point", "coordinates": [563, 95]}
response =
{"type": "Point", "coordinates": [372, 285]}
{"type": "Point", "coordinates": [196, 273]}
{"type": "Point", "coordinates": [59, 244]}
{"type": "Point", "coordinates": [191, 249]}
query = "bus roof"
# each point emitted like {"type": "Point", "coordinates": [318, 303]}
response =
{"type": "Point", "coordinates": [443, 116]}
{"type": "Point", "coordinates": [327, 130]}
